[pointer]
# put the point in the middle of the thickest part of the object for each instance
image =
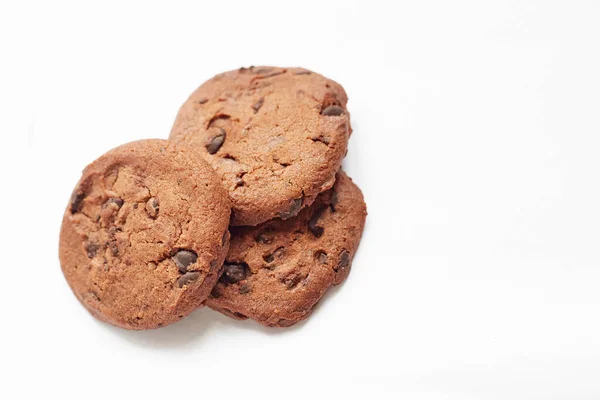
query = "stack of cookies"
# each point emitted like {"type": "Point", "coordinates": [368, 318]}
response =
{"type": "Point", "coordinates": [244, 209]}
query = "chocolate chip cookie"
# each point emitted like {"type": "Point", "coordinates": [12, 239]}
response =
{"type": "Point", "coordinates": [144, 236]}
{"type": "Point", "coordinates": [275, 273]}
{"type": "Point", "coordinates": [276, 136]}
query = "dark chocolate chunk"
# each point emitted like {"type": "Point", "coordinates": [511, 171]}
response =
{"type": "Point", "coordinates": [313, 227]}
{"type": "Point", "coordinates": [263, 238]}
{"type": "Point", "coordinates": [183, 259]}
{"type": "Point", "coordinates": [113, 200]}
{"type": "Point", "coordinates": [152, 206]}
{"type": "Point", "coordinates": [215, 292]}
{"type": "Point", "coordinates": [187, 278]}
{"type": "Point", "coordinates": [334, 200]}
{"type": "Point", "coordinates": [332, 111]}
{"type": "Point", "coordinates": [234, 273]}
{"type": "Point", "coordinates": [91, 295]}
{"type": "Point", "coordinates": [294, 209]}
{"type": "Point", "coordinates": [292, 280]}
{"type": "Point", "coordinates": [91, 249]}
{"type": "Point", "coordinates": [256, 106]}
{"type": "Point", "coordinates": [278, 253]}
{"type": "Point", "coordinates": [321, 256]}
{"type": "Point", "coordinates": [272, 74]}
{"type": "Point", "coordinates": [216, 118]}
{"type": "Point", "coordinates": [323, 139]}
{"type": "Point", "coordinates": [261, 70]}
{"type": "Point", "coordinates": [344, 260]}
{"type": "Point", "coordinates": [76, 199]}
{"type": "Point", "coordinates": [233, 314]}
{"type": "Point", "coordinates": [216, 142]}
{"type": "Point", "coordinates": [239, 182]}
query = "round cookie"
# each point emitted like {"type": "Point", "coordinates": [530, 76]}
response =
{"type": "Point", "coordinates": [144, 236]}
{"type": "Point", "coordinates": [275, 273]}
{"type": "Point", "coordinates": [276, 136]}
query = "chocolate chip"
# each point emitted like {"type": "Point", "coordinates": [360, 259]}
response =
{"type": "Point", "coordinates": [215, 292]}
{"type": "Point", "coordinates": [152, 207]}
{"type": "Point", "coordinates": [278, 253]}
{"type": "Point", "coordinates": [263, 238]}
{"type": "Point", "coordinates": [216, 142]}
{"type": "Point", "coordinates": [323, 139]}
{"type": "Point", "coordinates": [344, 260]}
{"type": "Point", "coordinates": [334, 200]}
{"type": "Point", "coordinates": [202, 100]}
{"type": "Point", "coordinates": [272, 74]}
{"type": "Point", "coordinates": [245, 289]}
{"type": "Point", "coordinates": [321, 256]}
{"type": "Point", "coordinates": [229, 157]}
{"type": "Point", "coordinates": [233, 314]}
{"type": "Point", "coordinates": [261, 70]}
{"type": "Point", "coordinates": [91, 295]}
{"type": "Point", "coordinates": [91, 249]}
{"type": "Point", "coordinates": [239, 179]}
{"type": "Point", "coordinates": [316, 230]}
{"type": "Point", "coordinates": [76, 199]}
{"type": "Point", "coordinates": [239, 182]}
{"type": "Point", "coordinates": [292, 281]}
{"type": "Point", "coordinates": [234, 273]}
{"type": "Point", "coordinates": [256, 106]}
{"type": "Point", "coordinates": [187, 278]}
{"type": "Point", "coordinates": [332, 111]}
{"type": "Point", "coordinates": [294, 209]}
{"type": "Point", "coordinates": [238, 315]}
{"type": "Point", "coordinates": [183, 259]}
{"type": "Point", "coordinates": [113, 200]}
{"type": "Point", "coordinates": [218, 117]}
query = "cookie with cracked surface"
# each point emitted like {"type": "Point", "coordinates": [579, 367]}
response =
{"type": "Point", "coordinates": [145, 234]}
{"type": "Point", "coordinates": [276, 136]}
{"type": "Point", "coordinates": [275, 273]}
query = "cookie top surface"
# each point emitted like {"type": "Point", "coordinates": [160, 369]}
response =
{"type": "Point", "coordinates": [145, 234]}
{"type": "Point", "coordinates": [275, 273]}
{"type": "Point", "coordinates": [276, 136]}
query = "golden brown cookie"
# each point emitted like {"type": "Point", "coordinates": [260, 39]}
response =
{"type": "Point", "coordinates": [276, 136]}
{"type": "Point", "coordinates": [145, 234]}
{"type": "Point", "coordinates": [275, 273]}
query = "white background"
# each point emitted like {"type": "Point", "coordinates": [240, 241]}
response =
{"type": "Point", "coordinates": [476, 128]}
